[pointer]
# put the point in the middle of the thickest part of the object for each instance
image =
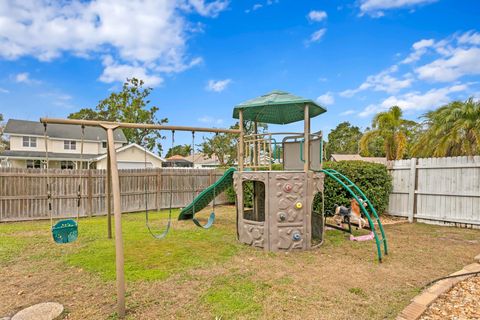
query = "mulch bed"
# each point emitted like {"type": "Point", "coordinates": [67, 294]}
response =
{"type": "Point", "coordinates": [461, 302]}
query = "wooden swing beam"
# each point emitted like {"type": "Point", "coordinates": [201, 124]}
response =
{"type": "Point", "coordinates": [96, 123]}
{"type": "Point", "coordinates": [115, 180]}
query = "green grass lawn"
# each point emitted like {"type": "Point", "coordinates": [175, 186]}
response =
{"type": "Point", "coordinates": [197, 273]}
{"type": "Point", "coordinates": [146, 258]}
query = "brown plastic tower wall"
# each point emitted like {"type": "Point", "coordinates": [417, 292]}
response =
{"type": "Point", "coordinates": [287, 209]}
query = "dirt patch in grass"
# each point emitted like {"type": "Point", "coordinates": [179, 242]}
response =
{"type": "Point", "coordinates": [204, 274]}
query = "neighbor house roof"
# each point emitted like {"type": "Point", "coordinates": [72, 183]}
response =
{"type": "Point", "coordinates": [129, 146]}
{"type": "Point", "coordinates": [201, 158]}
{"type": "Point", "coordinates": [61, 131]}
{"type": "Point", "coordinates": [349, 157]}
{"type": "Point", "coordinates": [177, 158]}
{"type": "Point", "coordinates": [278, 107]}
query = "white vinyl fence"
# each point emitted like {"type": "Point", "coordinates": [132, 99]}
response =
{"type": "Point", "coordinates": [437, 190]}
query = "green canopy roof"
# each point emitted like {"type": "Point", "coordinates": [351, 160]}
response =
{"type": "Point", "coordinates": [278, 107]}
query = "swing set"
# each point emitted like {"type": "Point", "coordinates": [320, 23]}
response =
{"type": "Point", "coordinates": [66, 230]}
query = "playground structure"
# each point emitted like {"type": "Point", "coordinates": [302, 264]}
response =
{"type": "Point", "coordinates": [279, 214]}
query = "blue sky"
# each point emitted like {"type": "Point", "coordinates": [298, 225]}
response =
{"type": "Point", "coordinates": [203, 57]}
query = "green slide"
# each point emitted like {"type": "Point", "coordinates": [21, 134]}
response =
{"type": "Point", "coordinates": [207, 195]}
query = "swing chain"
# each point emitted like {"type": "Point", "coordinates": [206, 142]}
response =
{"type": "Point", "coordinates": [169, 221]}
{"type": "Point", "coordinates": [49, 191]}
{"type": "Point", "coordinates": [79, 192]}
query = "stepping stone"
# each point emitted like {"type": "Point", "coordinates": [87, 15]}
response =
{"type": "Point", "coordinates": [41, 311]}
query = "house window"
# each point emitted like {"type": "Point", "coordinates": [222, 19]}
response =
{"type": "Point", "coordinates": [69, 145]}
{"type": "Point", "coordinates": [66, 165]}
{"type": "Point", "coordinates": [104, 144]}
{"type": "Point", "coordinates": [34, 164]}
{"type": "Point", "coordinates": [30, 142]}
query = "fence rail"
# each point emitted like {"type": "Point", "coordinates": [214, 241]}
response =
{"type": "Point", "coordinates": [445, 190]}
{"type": "Point", "coordinates": [23, 192]}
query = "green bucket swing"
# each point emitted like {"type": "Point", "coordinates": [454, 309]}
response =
{"type": "Point", "coordinates": [65, 230]}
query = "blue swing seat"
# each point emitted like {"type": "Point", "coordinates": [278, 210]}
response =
{"type": "Point", "coordinates": [65, 231]}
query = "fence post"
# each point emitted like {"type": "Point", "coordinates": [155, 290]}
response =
{"type": "Point", "coordinates": [411, 189]}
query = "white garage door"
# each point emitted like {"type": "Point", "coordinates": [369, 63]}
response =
{"type": "Point", "coordinates": [133, 165]}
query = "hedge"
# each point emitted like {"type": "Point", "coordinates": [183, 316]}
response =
{"type": "Point", "coordinates": [372, 178]}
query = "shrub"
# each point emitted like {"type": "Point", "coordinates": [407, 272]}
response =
{"type": "Point", "coordinates": [372, 178]}
{"type": "Point", "coordinates": [231, 195]}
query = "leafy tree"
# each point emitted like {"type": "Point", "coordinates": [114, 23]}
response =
{"type": "Point", "coordinates": [344, 139]}
{"type": "Point", "coordinates": [375, 147]}
{"type": "Point", "coordinates": [131, 104]}
{"type": "Point", "coordinates": [451, 130]}
{"type": "Point", "coordinates": [4, 144]}
{"type": "Point", "coordinates": [182, 150]}
{"type": "Point", "coordinates": [224, 145]}
{"type": "Point", "coordinates": [390, 126]}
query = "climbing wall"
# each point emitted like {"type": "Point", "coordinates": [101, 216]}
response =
{"type": "Point", "coordinates": [288, 204]}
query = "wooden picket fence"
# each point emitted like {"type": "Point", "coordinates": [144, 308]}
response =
{"type": "Point", "coordinates": [437, 190]}
{"type": "Point", "coordinates": [23, 192]}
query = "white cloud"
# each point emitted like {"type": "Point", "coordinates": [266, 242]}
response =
{"type": "Point", "coordinates": [326, 99]}
{"type": "Point", "coordinates": [469, 37]}
{"type": "Point", "coordinates": [316, 36]}
{"type": "Point", "coordinates": [58, 99]}
{"type": "Point", "coordinates": [24, 77]}
{"type": "Point", "coordinates": [114, 72]}
{"type": "Point", "coordinates": [217, 85]}
{"type": "Point", "coordinates": [414, 101]}
{"type": "Point", "coordinates": [376, 8]}
{"type": "Point", "coordinates": [419, 49]}
{"type": "Point", "coordinates": [2, 90]}
{"type": "Point", "coordinates": [317, 15]}
{"type": "Point", "coordinates": [150, 34]}
{"type": "Point", "coordinates": [382, 81]}
{"type": "Point", "coordinates": [210, 120]}
{"type": "Point", "coordinates": [347, 112]}
{"type": "Point", "coordinates": [454, 57]}
{"type": "Point", "coordinates": [258, 6]}
{"type": "Point", "coordinates": [211, 9]}
{"type": "Point", "coordinates": [460, 63]}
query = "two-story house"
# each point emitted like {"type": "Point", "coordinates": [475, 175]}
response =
{"type": "Point", "coordinates": [27, 147]}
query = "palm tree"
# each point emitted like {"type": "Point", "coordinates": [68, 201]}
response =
{"type": "Point", "coordinates": [394, 131]}
{"type": "Point", "coordinates": [451, 130]}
